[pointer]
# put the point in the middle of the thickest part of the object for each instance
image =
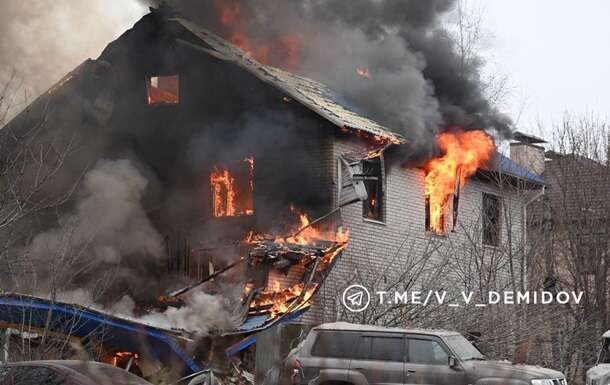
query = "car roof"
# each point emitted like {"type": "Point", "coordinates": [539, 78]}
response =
{"type": "Point", "coordinates": [373, 328]}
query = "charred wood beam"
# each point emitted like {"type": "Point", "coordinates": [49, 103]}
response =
{"type": "Point", "coordinates": [323, 217]}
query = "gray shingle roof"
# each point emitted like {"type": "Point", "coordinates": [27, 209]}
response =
{"type": "Point", "coordinates": [313, 95]}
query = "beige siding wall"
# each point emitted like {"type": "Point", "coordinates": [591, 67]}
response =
{"type": "Point", "coordinates": [381, 254]}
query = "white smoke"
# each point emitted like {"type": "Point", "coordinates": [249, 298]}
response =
{"type": "Point", "coordinates": [42, 40]}
{"type": "Point", "coordinates": [202, 314]}
{"type": "Point", "coordinates": [108, 220]}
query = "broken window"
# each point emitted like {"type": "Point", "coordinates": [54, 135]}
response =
{"type": "Point", "coordinates": [372, 207]}
{"type": "Point", "coordinates": [439, 228]}
{"type": "Point", "coordinates": [233, 189]}
{"type": "Point", "coordinates": [163, 90]}
{"type": "Point", "coordinates": [491, 220]}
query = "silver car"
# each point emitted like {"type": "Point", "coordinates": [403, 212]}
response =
{"type": "Point", "coordinates": [350, 354]}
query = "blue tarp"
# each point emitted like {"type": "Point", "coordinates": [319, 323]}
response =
{"type": "Point", "coordinates": [113, 332]}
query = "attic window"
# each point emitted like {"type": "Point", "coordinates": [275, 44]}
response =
{"type": "Point", "coordinates": [441, 230]}
{"type": "Point", "coordinates": [491, 220]}
{"type": "Point", "coordinates": [163, 90]}
{"type": "Point", "coordinates": [372, 207]}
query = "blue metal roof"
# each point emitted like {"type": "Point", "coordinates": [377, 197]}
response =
{"type": "Point", "coordinates": [505, 165]}
{"type": "Point", "coordinates": [113, 332]}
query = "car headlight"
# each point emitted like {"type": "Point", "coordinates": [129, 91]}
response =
{"type": "Point", "coordinates": [542, 382]}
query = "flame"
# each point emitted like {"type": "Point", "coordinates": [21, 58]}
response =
{"type": "Point", "coordinates": [225, 195]}
{"type": "Point", "coordinates": [223, 188]}
{"type": "Point", "coordinates": [311, 234]}
{"type": "Point", "coordinates": [282, 51]}
{"type": "Point", "coordinates": [281, 301]}
{"type": "Point", "coordinates": [464, 152]}
{"type": "Point", "coordinates": [277, 300]}
{"type": "Point", "coordinates": [120, 357]}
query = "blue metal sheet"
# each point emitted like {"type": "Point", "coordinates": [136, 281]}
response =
{"type": "Point", "coordinates": [501, 163]}
{"type": "Point", "coordinates": [111, 331]}
{"type": "Point", "coordinates": [253, 322]}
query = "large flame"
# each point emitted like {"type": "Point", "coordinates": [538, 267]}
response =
{"type": "Point", "coordinates": [464, 152]}
{"type": "Point", "coordinates": [280, 301]}
{"type": "Point", "coordinates": [310, 234]}
{"type": "Point", "coordinates": [282, 51]}
{"type": "Point", "coordinates": [227, 201]}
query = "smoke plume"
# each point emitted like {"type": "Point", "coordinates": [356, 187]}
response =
{"type": "Point", "coordinates": [40, 41]}
{"type": "Point", "coordinates": [416, 81]}
{"type": "Point", "coordinates": [107, 226]}
{"type": "Point", "coordinates": [390, 60]}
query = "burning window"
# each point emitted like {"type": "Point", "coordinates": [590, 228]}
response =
{"type": "Point", "coordinates": [491, 220]}
{"type": "Point", "coordinates": [438, 212]}
{"type": "Point", "coordinates": [372, 207]}
{"type": "Point", "coordinates": [233, 189]}
{"type": "Point", "coordinates": [163, 90]}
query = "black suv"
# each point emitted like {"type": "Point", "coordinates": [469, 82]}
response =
{"type": "Point", "coordinates": [349, 354]}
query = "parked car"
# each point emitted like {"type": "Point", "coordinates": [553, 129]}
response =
{"type": "Point", "coordinates": [66, 373]}
{"type": "Point", "coordinates": [600, 373]}
{"type": "Point", "coordinates": [350, 354]}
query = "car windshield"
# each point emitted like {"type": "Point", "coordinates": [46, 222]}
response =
{"type": "Point", "coordinates": [463, 348]}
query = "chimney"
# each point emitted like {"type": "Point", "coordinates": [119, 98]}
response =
{"type": "Point", "coordinates": [528, 152]}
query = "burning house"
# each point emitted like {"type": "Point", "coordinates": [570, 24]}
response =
{"type": "Point", "coordinates": [223, 177]}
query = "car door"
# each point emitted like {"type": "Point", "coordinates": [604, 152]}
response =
{"type": "Point", "coordinates": [428, 363]}
{"type": "Point", "coordinates": [379, 358]}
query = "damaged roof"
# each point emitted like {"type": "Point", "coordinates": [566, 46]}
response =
{"type": "Point", "coordinates": [313, 95]}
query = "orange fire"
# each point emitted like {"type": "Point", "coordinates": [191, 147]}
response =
{"type": "Point", "coordinates": [227, 200]}
{"type": "Point", "coordinates": [311, 233]}
{"type": "Point", "coordinates": [464, 152]}
{"type": "Point", "coordinates": [281, 301]}
{"type": "Point", "coordinates": [120, 357]}
{"type": "Point", "coordinates": [282, 51]}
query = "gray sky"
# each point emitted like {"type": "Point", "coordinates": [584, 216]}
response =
{"type": "Point", "coordinates": [556, 54]}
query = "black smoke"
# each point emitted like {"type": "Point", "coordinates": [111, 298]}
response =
{"type": "Point", "coordinates": [419, 82]}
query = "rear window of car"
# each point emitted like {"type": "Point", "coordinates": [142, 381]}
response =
{"type": "Point", "coordinates": [338, 344]}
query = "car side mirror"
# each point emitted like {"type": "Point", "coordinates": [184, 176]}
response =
{"type": "Point", "coordinates": [452, 362]}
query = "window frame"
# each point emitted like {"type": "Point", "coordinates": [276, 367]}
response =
{"type": "Point", "coordinates": [485, 221]}
{"type": "Point", "coordinates": [148, 83]}
{"type": "Point", "coordinates": [382, 186]}
{"type": "Point", "coordinates": [427, 227]}
{"type": "Point", "coordinates": [357, 335]}
{"type": "Point", "coordinates": [372, 336]}
{"type": "Point", "coordinates": [439, 341]}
